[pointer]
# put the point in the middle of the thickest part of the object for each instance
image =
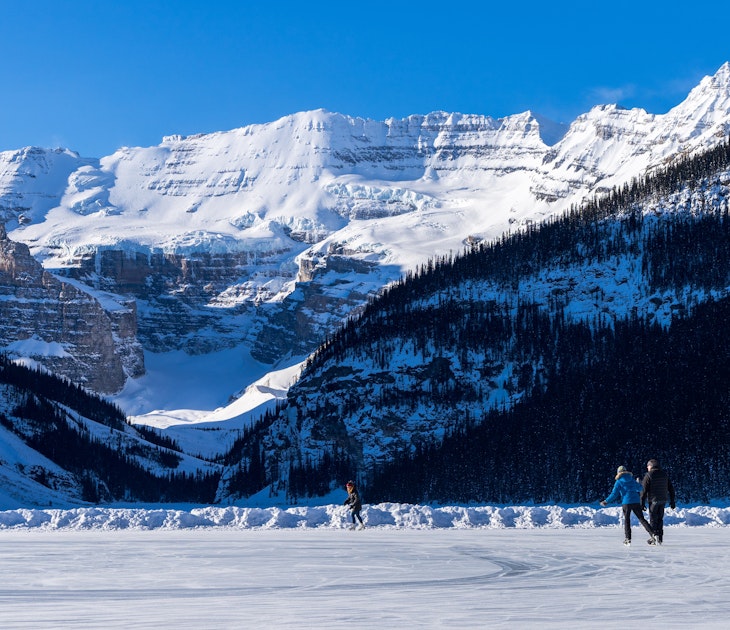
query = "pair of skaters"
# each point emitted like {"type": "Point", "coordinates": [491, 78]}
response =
{"type": "Point", "coordinates": [656, 488]}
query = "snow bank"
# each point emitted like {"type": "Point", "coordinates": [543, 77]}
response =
{"type": "Point", "coordinates": [383, 515]}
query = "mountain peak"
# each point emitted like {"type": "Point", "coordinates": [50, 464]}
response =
{"type": "Point", "coordinates": [722, 76]}
{"type": "Point", "coordinates": [705, 113]}
{"type": "Point", "coordinates": [717, 84]}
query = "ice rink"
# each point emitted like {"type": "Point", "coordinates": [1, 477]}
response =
{"type": "Point", "coordinates": [377, 578]}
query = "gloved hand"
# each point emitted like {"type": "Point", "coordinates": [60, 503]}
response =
{"type": "Point", "coordinates": [603, 503]}
{"type": "Point", "coordinates": [673, 506]}
{"type": "Point", "coordinates": [643, 508]}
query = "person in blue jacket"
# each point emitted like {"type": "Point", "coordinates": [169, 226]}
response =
{"type": "Point", "coordinates": [627, 489]}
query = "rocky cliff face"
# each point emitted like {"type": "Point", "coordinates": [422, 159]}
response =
{"type": "Point", "coordinates": [268, 236]}
{"type": "Point", "coordinates": [63, 328]}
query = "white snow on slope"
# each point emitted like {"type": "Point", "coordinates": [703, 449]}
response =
{"type": "Point", "coordinates": [393, 192]}
{"type": "Point", "coordinates": [198, 402]}
{"type": "Point", "coordinates": [403, 189]}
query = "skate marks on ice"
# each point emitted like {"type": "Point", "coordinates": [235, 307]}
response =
{"type": "Point", "coordinates": [305, 578]}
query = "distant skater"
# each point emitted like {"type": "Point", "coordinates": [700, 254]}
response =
{"type": "Point", "coordinates": [353, 500]}
{"type": "Point", "coordinates": [627, 489]}
{"type": "Point", "coordinates": [657, 488]}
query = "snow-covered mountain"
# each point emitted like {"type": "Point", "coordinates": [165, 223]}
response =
{"type": "Point", "coordinates": [590, 338]}
{"type": "Point", "coordinates": [265, 238]}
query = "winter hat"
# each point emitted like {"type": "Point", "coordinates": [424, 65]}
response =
{"type": "Point", "coordinates": [350, 484]}
{"type": "Point", "coordinates": [621, 470]}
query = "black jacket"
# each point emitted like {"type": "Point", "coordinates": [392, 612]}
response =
{"type": "Point", "coordinates": [353, 500]}
{"type": "Point", "coordinates": [657, 488]}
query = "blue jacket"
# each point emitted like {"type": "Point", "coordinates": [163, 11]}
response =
{"type": "Point", "coordinates": [626, 488]}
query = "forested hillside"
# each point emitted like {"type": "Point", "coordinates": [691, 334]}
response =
{"type": "Point", "coordinates": [79, 447]}
{"type": "Point", "coordinates": [530, 367]}
{"type": "Point", "coordinates": [645, 391]}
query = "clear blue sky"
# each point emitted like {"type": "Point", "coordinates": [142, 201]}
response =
{"type": "Point", "coordinates": [96, 75]}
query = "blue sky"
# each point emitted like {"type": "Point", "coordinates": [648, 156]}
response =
{"type": "Point", "coordinates": [96, 75]}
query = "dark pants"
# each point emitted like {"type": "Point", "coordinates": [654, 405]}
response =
{"type": "Point", "coordinates": [628, 508]}
{"type": "Point", "coordinates": [354, 514]}
{"type": "Point", "coordinates": [656, 518]}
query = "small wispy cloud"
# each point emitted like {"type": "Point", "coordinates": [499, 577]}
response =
{"type": "Point", "coordinates": [656, 97]}
{"type": "Point", "coordinates": [611, 95]}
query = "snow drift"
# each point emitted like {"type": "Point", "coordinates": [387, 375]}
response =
{"type": "Point", "coordinates": [383, 515]}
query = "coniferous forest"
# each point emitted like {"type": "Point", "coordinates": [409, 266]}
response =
{"type": "Point", "coordinates": [581, 395]}
{"type": "Point", "coordinates": [646, 392]}
{"type": "Point", "coordinates": [47, 416]}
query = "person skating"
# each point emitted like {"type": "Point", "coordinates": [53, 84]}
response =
{"type": "Point", "coordinates": [657, 489]}
{"type": "Point", "coordinates": [627, 489]}
{"type": "Point", "coordinates": [353, 500]}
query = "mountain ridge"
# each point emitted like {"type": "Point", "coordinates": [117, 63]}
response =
{"type": "Point", "coordinates": [267, 237]}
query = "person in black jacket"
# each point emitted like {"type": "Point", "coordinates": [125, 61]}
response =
{"type": "Point", "coordinates": [657, 489]}
{"type": "Point", "coordinates": [353, 500]}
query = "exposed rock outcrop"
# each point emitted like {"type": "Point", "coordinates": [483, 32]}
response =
{"type": "Point", "coordinates": [63, 328]}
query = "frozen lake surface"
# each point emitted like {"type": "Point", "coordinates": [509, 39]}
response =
{"type": "Point", "coordinates": [378, 578]}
